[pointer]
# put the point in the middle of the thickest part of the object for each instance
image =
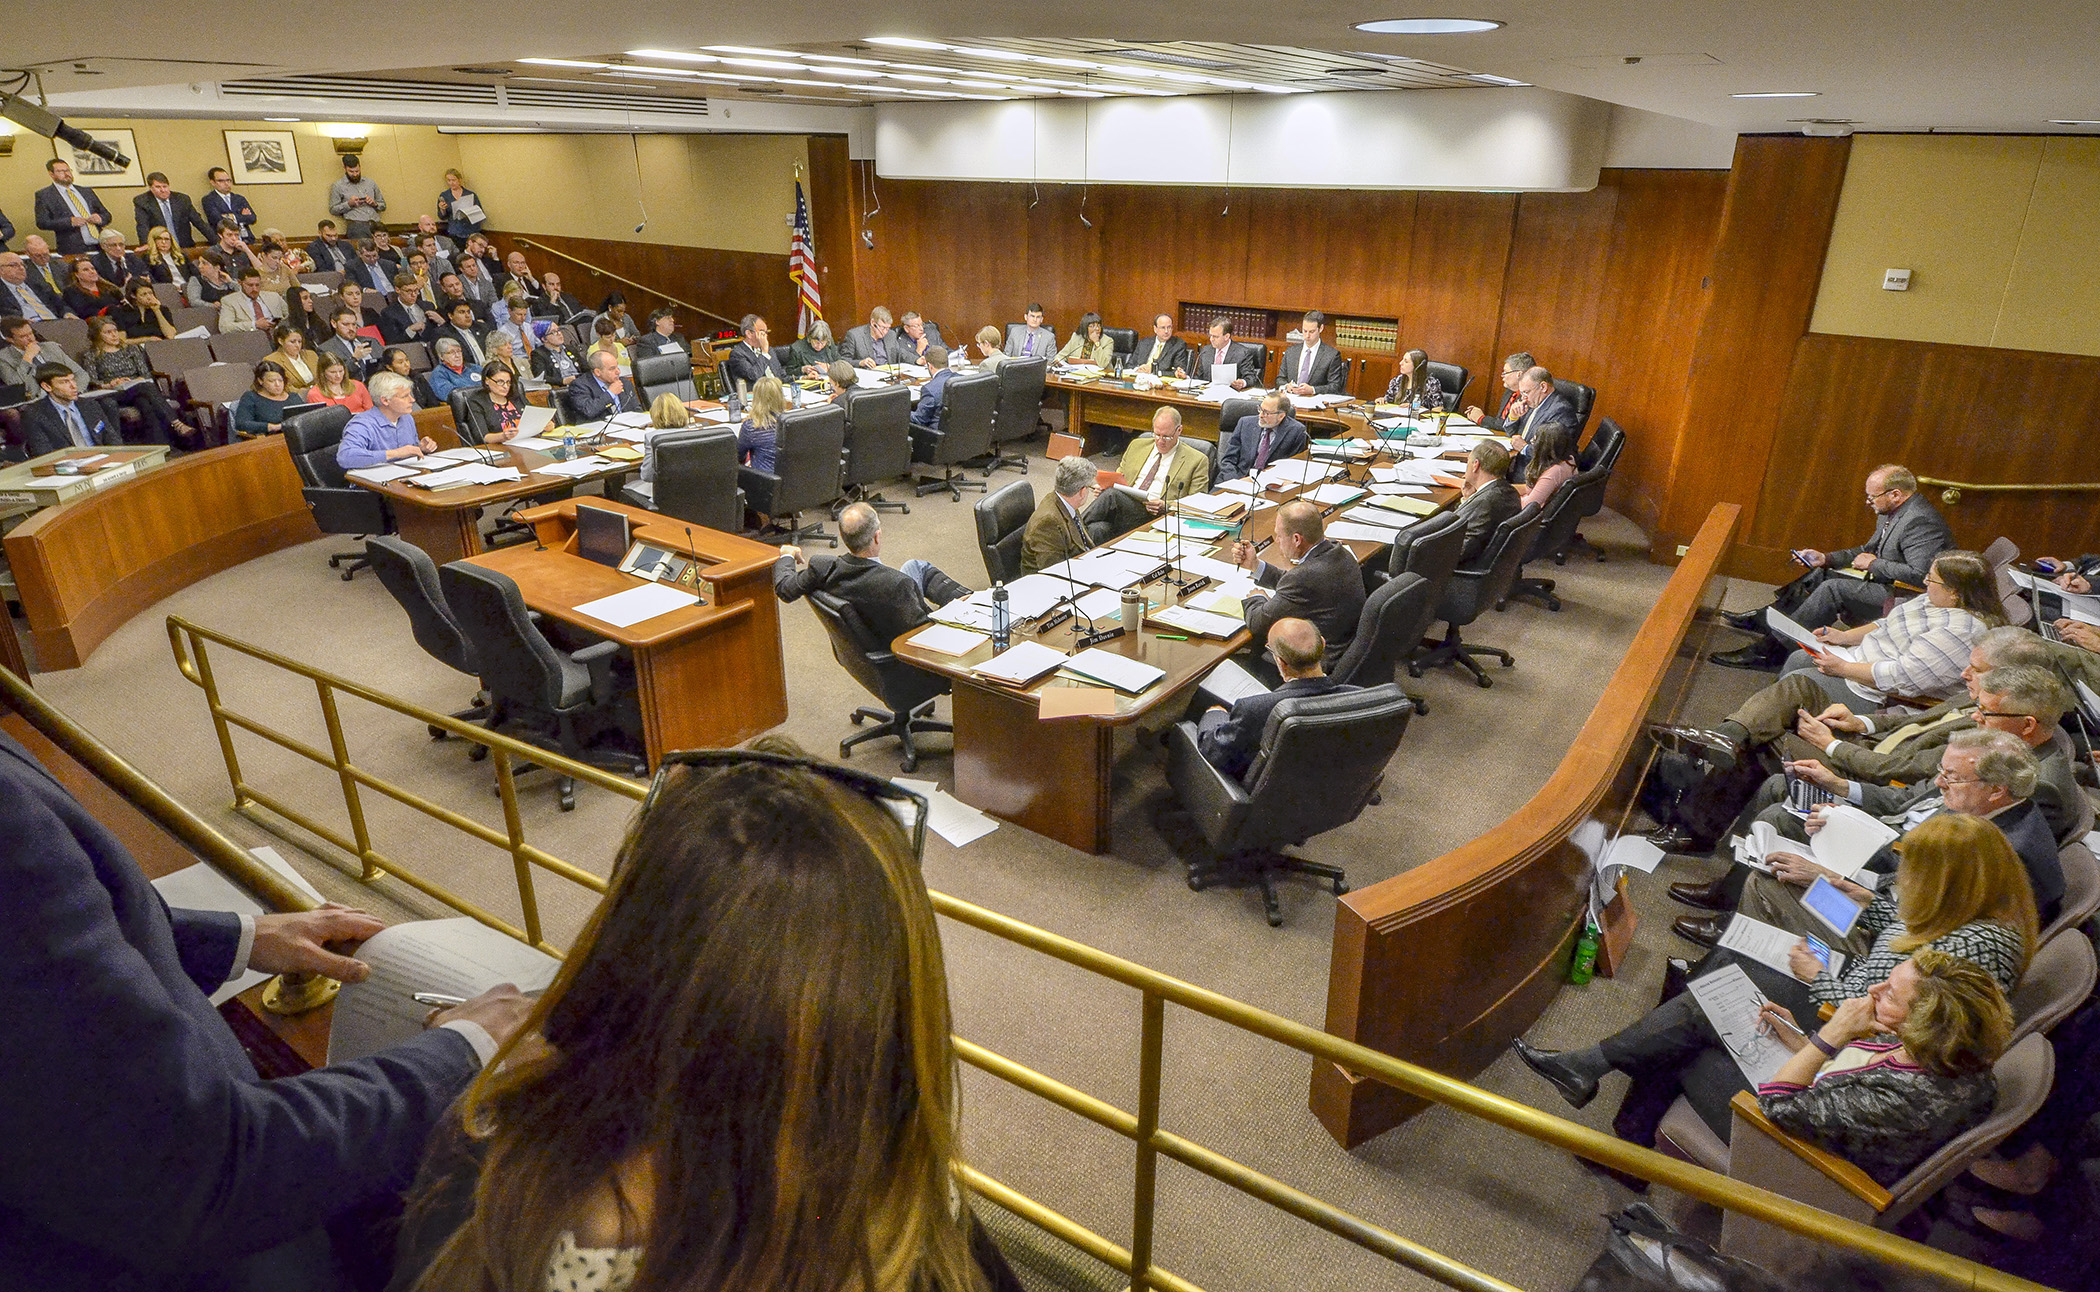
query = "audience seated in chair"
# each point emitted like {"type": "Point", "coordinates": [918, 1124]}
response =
{"type": "Point", "coordinates": [1054, 532]}
{"type": "Point", "coordinates": [635, 1128]}
{"type": "Point", "coordinates": [1229, 738]}
{"type": "Point", "coordinates": [891, 602]}
{"type": "Point", "coordinates": [63, 420]}
{"type": "Point", "coordinates": [1319, 579]}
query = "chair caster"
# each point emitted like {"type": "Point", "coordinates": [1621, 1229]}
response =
{"type": "Point", "coordinates": [859, 718]}
{"type": "Point", "coordinates": [908, 763]}
{"type": "Point", "coordinates": [478, 754]}
{"type": "Point", "coordinates": [846, 748]}
{"type": "Point", "coordinates": [1485, 681]}
{"type": "Point", "coordinates": [1195, 884]}
{"type": "Point", "coordinates": [437, 733]}
{"type": "Point", "coordinates": [335, 562]}
{"type": "Point", "coordinates": [1509, 663]}
{"type": "Point", "coordinates": [1340, 888]}
{"type": "Point", "coordinates": [348, 575]}
{"type": "Point", "coordinates": [1274, 911]}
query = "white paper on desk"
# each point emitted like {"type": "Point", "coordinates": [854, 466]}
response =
{"type": "Point", "coordinates": [574, 468]}
{"type": "Point", "coordinates": [625, 609]}
{"type": "Point", "coordinates": [631, 420]}
{"type": "Point", "coordinates": [965, 613]}
{"type": "Point", "coordinates": [1105, 568]}
{"type": "Point", "coordinates": [870, 377]}
{"type": "Point", "coordinates": [1228, 601]}
{"type": "Point", "coordinates": [1021, 663]}
{"type": "Point", "coordinates": [1189, 528]}
{"type": "Point", "coordinates": [915, 371]}
{"type": "Point", "coordinates": [1210, 567]}
{"type": "Point", "coordinates": [716, 415]}
{"type": "Point", "coordinates": [1383, 517]}
{"type": "Point", "coordinates": [1200, 622]}
{"type": "Point", "coordinates": [1384, 490]}
{"type": "Point", "coordinates": [1212, 503]}
{"type": "Point", "coordinates": [1100, 603]}
{"type": "Point", "coordinates": [467, 473]}
{"type": "Point", "coordinates": [1733, 1005]}
{"type": "Point", "coordinates": [1148, 541]}
{"type": "Point", "coordinates": [380, 474]}
{"type": "Point", "coordinates": [948, 641]}
{"type": "Point", "coordinates": [948, 816]}
{"type": "Point", "coordinates": [1767, 944]}
{"type": "Point", "coordinates": [203, 888]}
{"type": "Point", "coordinates": [1350, 531]}
{"type": "Point", "coordinates": [462, 454]}
{"type": "Point", "coordinates": [1329, 495]}
{"type": "Point", "coordinates": [1029, 595]}
{"type": "Point", "coordinates": [1127, 675]}
{"type": "Point", "coordinates": [635, 434]}
{"type": "Point", "coordinates": [534, 443]}
{"type": "Point", "coordinates": [1243, 485]}
{"type": "Point", "coordinates": [1295, 471]}
{"type": "Point", "coordinates": [458, 957]}
{"type": "Point", "coordinates": [1228, 683]}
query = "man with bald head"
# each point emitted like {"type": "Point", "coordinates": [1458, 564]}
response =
{"type": "Point", "coordinates": [891, 602]}
{"type": "Point", "coordinates": [1229, 739]}
{"type": "Point", "coordinates": [1319, 579]}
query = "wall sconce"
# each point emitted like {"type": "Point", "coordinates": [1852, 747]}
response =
{"type": "Point", "coordinates": [7, 145]}
{"type": "Point", "coordinates": [347, 138]}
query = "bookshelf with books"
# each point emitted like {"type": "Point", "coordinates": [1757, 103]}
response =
{"type": "Point", "coordinates": [1351, 333]}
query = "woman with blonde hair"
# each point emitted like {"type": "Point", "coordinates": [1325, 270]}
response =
{"type": "Point", "coordinates": [755, 439]}
{"type": "Point", "coordinates": [1959, 888]}
{"type": "Point", "coordinates": [164, 264]}
{"type": "Point", "coordinates": [667, 412]}
{"type": "Point", "coordinates": [681, 1113]}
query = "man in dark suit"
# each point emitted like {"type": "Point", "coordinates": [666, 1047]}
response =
{"type": "Point", "coordinates": [662, 336]}
{"type": "Point", "coordinates": [1162, 352]}
{"type": "Point", "coordinates": [329, 252]}
{"type": "Point", "coordinates": [1512, 406]}
{"type": "Point", "coordinates": [891, 602]}
{"type": "Point", "coordinates": [1310, 368]}
{"type": "Point", "coordinates": [62, 419]}
{"type": "Point", "coordinates": [404, 319]}
{"type": "Point", "coordinates": [7, 230]}
{"type": "Point", "coordinates": [599, 393]}
{"type": "Point", "coordinates": [517, 277]}
{"type": "Point", "coordinates": [752, 357]}
{"type": "Point", "coordinates": [1260, 441]}
{"type": "Point", "coordinates": [1319, 580]}
{"type": "Point", "coordinates": [161, 207]}
{"type": "Point", "coordinates": [1542, 404]}
{"type": "Point", "coordinates": [1248, 360]}
{"type": "Point", "coordinates": [1229, 739]}
{"type": "Point", "coordinates": [1486, 498]}
{"type": "Point", "coordinates": [1909, 533]}
{"type": "Point", "coordinates": [143, 1151]}
{"type": "Point", "coordinates": [222, 203]}
{"type": "Point", "coordinates": [53, 271]}
{"type": "Point", "coordinates": [358, 353]}
{"type": "Point", "coordinates": [927, 412]}
{"type": "Point", "coordinates": [74, 216]}
{"type": "Point", "coordinates": [367, 270]}
{"type": "Point", "coordinates": [116, 263]}
{"type": "Point", "coordinates": [26, 296]}
{"type": "Point", "coordinates": [1054, 532]}
{"type": "Point", "coordinates": [471, 333]}
{"type": "Point", "coordinates": [555, 303]}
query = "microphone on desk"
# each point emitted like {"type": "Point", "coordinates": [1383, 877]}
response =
{"type": "Point", "coordinates": [692, 565]}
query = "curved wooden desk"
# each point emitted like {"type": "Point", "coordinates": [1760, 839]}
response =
{"type": "Point", "coordinates": [1444, 964]}
{"type": "Point", "coordinates": [86, 567]}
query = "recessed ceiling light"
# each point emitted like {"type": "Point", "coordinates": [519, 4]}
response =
{"type": "Point", "coordinates": [1428, 26]}
{"type": "Point", "coordinates": [905, 42]}
{"type": "Point", "coordinates": [280, 118]}
{"type": "Point", "coordinates": [2056, 122]}
{"type": "Point", "coordinates": [1777, 94]}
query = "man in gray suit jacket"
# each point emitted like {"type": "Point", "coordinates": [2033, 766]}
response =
{"type": "Point", "coordinates": [1029, 339]}
{"type": "Point", "coordinates": [1909, 533]}
{"type": "Point", "coordinates": [1310, 368]}
{"type": "Point", "coordinates": [1488, 498]}
{"type": "Point", "coordinates": [1259, 442]}
{"type": "Point", "coordinates": [873, 344]}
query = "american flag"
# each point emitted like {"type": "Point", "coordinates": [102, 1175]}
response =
{"type": "Point", "coordinates": [802, 267]}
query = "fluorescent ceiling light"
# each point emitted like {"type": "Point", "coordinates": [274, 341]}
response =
{"type": "Point", "coordinates": [983, 85]}
{"type": "Point", "coordinates": [977, 51]}
{"type": "Point", "coordinates": [1777, 94]}
{"type": "Point", "coordinates": [905, 42]}
{"type": "Point", "coordinates": [280, 118]}
{"type": "Point", "coordinates": [1498, 80]}
{"type": "Point", "coordinates": [1428, 26]}
{"type": "Point", "coordinates": [843, 71]}
{"type": "Point", "coordinates": [2072, 122]}
{"type": "Point", "coordinates": [672, 54]}
{"type": "Point", "coordinates": [767, 64]}
{"type": "Point", "coordinates": [1080, 63]}
{"type": "Point", "coordinates": [562, 62]}
{"type": "Point", "coordinates": [841, 58]}
{"type": "Point", "coordinates": [922, 80]}
{"type": "Point", "coordinates": [751, 49]}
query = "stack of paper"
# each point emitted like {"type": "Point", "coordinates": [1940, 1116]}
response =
{"type": "Point", "coordinates": [1228, 601]}
{"type": "Point", "coordinates": [1202, 623]}
{"type": "Point", "coordinates": [1243, 485]}
{"type": "Point", "coordinates": [1189, 527]}
{"type": "Point", "coordinates": [1214, 504]}
{"type": "Point", "coordinates": [575, 468]}
{"type": "Point", "coordinates": [1150, 541]}
{"type": "Point", "coordinates": [472, 473]}
{"type": "Point", "coordinates": [1319, 401]}
{"type": "Point", "coordinates": [1020, 664]}
{"type": "Point", "coordinates": [1296, 471]}
{"type": "Point", "coordinates": [1209, 567]}
{"type": "Point", "coordinates": [462, 454]}
{"type": "Point", "coordinates": [1127, 675]}
{"type": "Point", "coordinates": [1349, 531]}
{"type": "Point", "coordinates": [381, 474]}
{"type": "Point", "coordinates": [963, 612]}
{"type": "Point", "coordinates": [1105, 568]}
{"type": "Point", "coordinates": [1376, 517]}
{"type": "Point", "coordinates": [944, 640]}
{"type": "Point", "coordinates": [1350, 448]}
{"type": "Point", "coordinates": [534, 443]}
{"type": "Point", "coordinates": [1403, 503]}
{"type": "Point", "coordinates": [948, 816]}
{"type": "Point", "coordinates": [1402, 490]}
{"type": "Point", "coordinates": [625, 609]}
{"type": "Point", "coordinates": [1331, 495]}
{"type": "Point", "coordinates": [1848, 840]}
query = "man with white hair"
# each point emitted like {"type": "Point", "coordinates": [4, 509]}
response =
{"type": "Point", "coordinates": [385, 432]}
{"type": "Point", "coordinates": [891, 602]}
{"type": "Point", "coordinates": [24, 296]}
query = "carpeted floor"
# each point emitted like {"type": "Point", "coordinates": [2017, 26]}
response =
{"type": "Point", "coordinates": [1513, 1208]}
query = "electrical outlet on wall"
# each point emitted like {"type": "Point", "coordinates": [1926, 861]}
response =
{"type": "Point", "coordinates": [1895, 280]}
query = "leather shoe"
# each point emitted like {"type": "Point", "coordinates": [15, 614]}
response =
{"type": "Point", "coordinates": [1707, 897]}
{"type": "Point", "coordinates": [1750, 621]}
{"type": "Point", "coordinates": [1702, 929]}
{"type": "Point", "coordinates": [1696, 742]}
{"type": "Point", "coordinates": [1757, 656]}
{"type": "Point", "coordinates": [1677, 839]}
{"type": "Point", "coordinates": [1577, 1090]}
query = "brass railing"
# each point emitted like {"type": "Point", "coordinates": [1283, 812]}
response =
{"type": "Point", "coordinates": [1951, 490]}
{"type": "Point", "coordinates": [1158, 990]}
{"type": "Point", "coordinates": [603, 272]}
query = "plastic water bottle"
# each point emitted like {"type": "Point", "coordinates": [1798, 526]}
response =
{"type": "Point", "coordinates": [1002, 618]}
{"type": "Point", "coordinates": [1585, 965]}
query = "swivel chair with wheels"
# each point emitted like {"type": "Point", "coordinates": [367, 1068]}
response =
{"type": "Point", "coordinates": [671, 371]}
{"type": "Point", "coordinates": [1563, 512]}
{"type": "Point", "coordinates": [907, 692]}
{"type": "Point", "coordinates": [1452, 380]}
{"type": "Point", "coordinates": [1322, 759]}
{"type": "Point", "coordinates": [339, 507]}
{"type": "Point", "coordinates": [1394, 619]}
{"type": "Point", "coordinates": [963, 433]}
{"type": "Point", "coordinates": [808, 445]}
{"type": "Point", "coordinates": [696, 479]}
{"type": "Point", "coordinates": [878, 443]}
{"type": "Point", "coordinates": [549, 697]}
{"type": "Point", "coordinates": [1470, 591]}
{"type": "Point", "coordinates": [1002, 522]}
{"type": "Point", "coordinates": [407, 572]}
{"type": "Point", "coordinates": [1601, 453]}
{"type": "Point", "coordinates": [1429, 547]}
{"type": "Point", "coordinates": [1019, 411]}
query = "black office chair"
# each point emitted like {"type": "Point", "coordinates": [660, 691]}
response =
{"type": "Point", "coordinates": [671, 371]}
{"type": "Point", "coordinates": [878, 443]}
{"type": "Point", "coordinates": [1229, 414]}
{"type": "Point", "coordinates": [1472, 590]}
{"type": "Point", "coordinates": [907, 692]}
{"type": "Point", "coordinates": [963, 433]}
{"type": "Point", "coordinates": [1601, 452]}
{"type": "Point", "coordinates": [554, 699]}
{"type": "Point", "coordinates": [1390, 629]}
{"type": "Point", "coordinates": [1019, 412]}
{"type": "Point", "coordinates": [408, 572]}
{"type": "Point", "coordinates": [1002, 521]}
{"type": "Point", "coordinates": [1563, 512]}
{"type": "Point", "coordinates": [1453, 380]}
{"type": "Point", "coordinates": [1429, 547]}
{"type": "Point", "coordinates": [1582, 398]}
{"type": "Point", "coordinates": [339, 507]}
{"type": "Point", "coordinates": [1322, 760]}
{"type": "Point", "coordinates": [1126, 342]}
{"type": "Point", "coordinates": [808, 445]}
{"type": "Point", "coordinates": [781, 355]}
{"type": "Point", "coordinates": [696, 479]}
{"type": "Point", "coordinates": [1112, 514]}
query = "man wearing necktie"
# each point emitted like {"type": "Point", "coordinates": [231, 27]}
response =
{"type": "Point", "coordinates": [74, 216]}
{"type": "Point", "coordinates": [60, 420]}
{"type": "Point", "coordinates": [1162, 467]}
{"type": "Point", "coordinates": [161, 207]}
{"type": "Point", "coordinates": [1255, 443]}
{"type": "Point", "coordinates": [1055, 532]}
{"type": "Point", "coordinates": [1310, 368]}
{"type": "Point", "coordinates": [1165, 352]}
{"type": "Point", "coordinates": [21, 295]}
{"type": "Point", "coordinates": [222, 203]}
{"type": "Point", "coordinates": [1029, 339]}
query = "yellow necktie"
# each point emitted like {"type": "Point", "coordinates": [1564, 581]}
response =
{"type": "Point", "coordinates": [1894, 740]}
{"type": "Point", "coordinates": [73, 200]}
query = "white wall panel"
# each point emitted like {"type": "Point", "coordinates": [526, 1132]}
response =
{"type": "Point", "coordinates": [1651, 141]}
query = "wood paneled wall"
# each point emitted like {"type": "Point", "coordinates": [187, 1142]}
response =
{"type": "Point", "coordinates": [1470, 276]}
{"type": "Point", "coordinates": [727, 283]}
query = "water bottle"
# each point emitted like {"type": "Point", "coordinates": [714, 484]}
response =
{"type": "Point", "coordinates": [1585, 966]}
{"type": "Point", "coordinates": [1002, 618]}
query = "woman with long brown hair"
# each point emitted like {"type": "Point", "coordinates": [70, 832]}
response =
{"type": "Point", "coordinates": [682, 1111]}
{"type": "Point", "coordinates": [1415, 383]}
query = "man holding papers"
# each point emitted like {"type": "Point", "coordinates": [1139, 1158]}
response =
{"type": "Point", "coordinates": [1054, 532]}
{"type": "Point", "coordinates": [385, 432]}
{"type": "Point", "coordinates": [1269, 436]}
{"type": "Point", "coordinates": [1230, 738]}
{"type": "Point", "coordinates": [1320, 580]}
{"type": "Point", "coordinates": [1163, 468]}
{"type": "Point", "coordinates": [891, 602]}
{"type": "Point", "coordinates": [1245, 360]}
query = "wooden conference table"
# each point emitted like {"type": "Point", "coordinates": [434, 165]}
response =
{"type": "Point", "coordinates": [1110, 401]}
{"type": "Point", "coordinates": [1053, 777]}
{"type": "Point", "coordinates": [708, 675]}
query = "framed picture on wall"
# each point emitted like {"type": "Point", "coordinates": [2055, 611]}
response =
{"type": "Point", "coordinates": [97, 172]}
{"type": "Point", "coordinates": [262, 157]}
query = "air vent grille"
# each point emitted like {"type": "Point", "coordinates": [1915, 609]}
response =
{"type": "Point", "coordinates": [521, 96]}
{"type": "Point", "coordinates": [364, 89]}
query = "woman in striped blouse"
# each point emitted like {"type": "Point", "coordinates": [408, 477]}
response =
{"type": "Point", "coordinates": [1960, 889]}
{"type": "Point", "coordinates": [1916, 650]}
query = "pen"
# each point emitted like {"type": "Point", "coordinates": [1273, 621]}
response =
{"type": "Point", "coordinates": [1171, 637]}
{"type": "Point", "coordinates": [437, 999]}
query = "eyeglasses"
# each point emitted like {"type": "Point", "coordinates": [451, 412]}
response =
{"type": "Point", "coordinates": [1932, 579]}
{"type": "Point", "coordinates": [1942, 778]}
{"type": "Point", "coordinates": [1878, 493]}
{"type": "Point", "coordinates": [1989, 713]}
{"type": "Point", "coordinates": [863, 783]}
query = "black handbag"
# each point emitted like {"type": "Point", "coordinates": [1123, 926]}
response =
{"type": "Point", "coordinates": [1646, 1253]}
{"type": "Point", "coordinates": [1685, 792]}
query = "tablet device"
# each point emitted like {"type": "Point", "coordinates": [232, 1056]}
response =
{"type": "Point", "coordinates": [1828, 903]}
{"type": "Point", "coordinates": [1817, 949]}
{"type": "Point", "coordinates": [601, 534]}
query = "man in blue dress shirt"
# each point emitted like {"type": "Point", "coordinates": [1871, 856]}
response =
{"type": "Point", "coordinates": [385, 432]}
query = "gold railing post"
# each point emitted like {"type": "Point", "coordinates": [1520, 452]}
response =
{"type": "Point", "coordinates": [218, 720]}
{"type": "Point", "coordinates": [514, 826]}
{"type": "Point", "coordinates": [1144, 1200]}
{"type": "Point", "coordinates": [352, 803]}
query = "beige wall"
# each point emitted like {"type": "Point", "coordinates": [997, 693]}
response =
{"type": "Point", "coordinates": [408, 162]}
{"type": "Point", "coordinates": [1995, 230]}
{"type": "Point", "coordinates": [732, 192]}
{"type": "Point", "coordinates": [725, 191]}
